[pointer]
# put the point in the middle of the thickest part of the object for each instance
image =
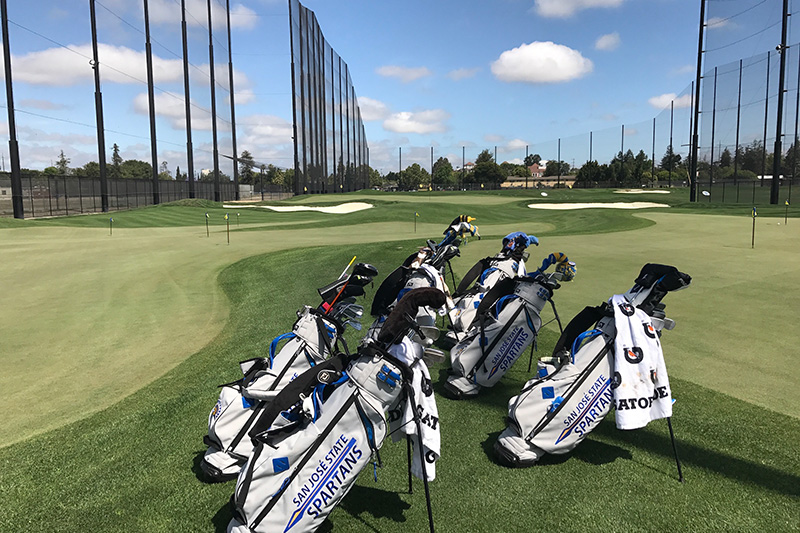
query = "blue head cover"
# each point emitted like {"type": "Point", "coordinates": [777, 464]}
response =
{"type": "Point", "coordinates": [519, 239]}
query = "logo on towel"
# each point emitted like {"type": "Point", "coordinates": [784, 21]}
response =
{"type": "Point", "coordinates": [616, 381]}
{"type": "Point", "coordinates": [427, 388]}
{"type": "Point", "coordinates": [333, 470]}
{"type": "Point", "coordinates": [634, 355]}
{"type": "Point", "coordinates": [627, 309]}
{"type": "Point", "coordinates": [645, 402]}
{"type": "Point", "coordinates": [649, 330]}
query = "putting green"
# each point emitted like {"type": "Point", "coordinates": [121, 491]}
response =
{"type": "Point", "coordinates": [91, 318]}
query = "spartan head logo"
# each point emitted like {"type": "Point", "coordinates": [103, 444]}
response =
{"type": "Point", "coordinates": [627, 309]}
{"type": "Point", "coordinates": [649, 330]}
{"type": "Point", "coordinates": [634, 355]}
{"type": "Point", "coordinates": [616, 381]}
{"type": "Point", "coordinates": [427, 387]}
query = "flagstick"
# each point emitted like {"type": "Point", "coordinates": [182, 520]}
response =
{"type": "Point", "coordinates": [786, 214]}
{"type": "Point", "coordinates": [415, 222]}
{"type": "Point", "coordinates": [207, 234]}
{"type": "Point", "coordinates": [753, 240]}
{"type": "Point", "coordinates": [237, 220]}
{"type": "Point", "coordinates": [111, 226]}
{"type": "Point", "coordinates": [228, 224]}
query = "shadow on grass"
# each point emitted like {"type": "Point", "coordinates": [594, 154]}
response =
{"type": "Point", "coordinates": [736, 468]}
{"type": "Point", "coordinates": [377, 502]}
{"type": "Point", "coordinates": [222, 518]}
{"type": "Point", "coordinates": [589, 451]}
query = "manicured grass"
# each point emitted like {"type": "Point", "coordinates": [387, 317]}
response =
{"type": "Point", "coordinates": [133, 467]}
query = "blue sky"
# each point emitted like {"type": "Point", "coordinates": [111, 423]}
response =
{"type": "Point", "coordinates": [480, 74]}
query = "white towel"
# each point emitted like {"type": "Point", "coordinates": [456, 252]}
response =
{"type": "Point", "coordinates": [403, 422]}
{"type": "Point", "coordinates": [641, 386]}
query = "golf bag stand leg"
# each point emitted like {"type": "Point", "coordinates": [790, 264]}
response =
{"type": "Point", "coordinates": [408, 452]}
{"type": "Point", "coordinates": [422, 460]}
{"type": "Point", "coordinates": [674, 448]}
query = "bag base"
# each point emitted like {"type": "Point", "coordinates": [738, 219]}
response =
{"type": "Point", "coordinates": [513, 451]}
{"type": "Point", "coordinates": [218, 466]}
{"type": "Point", "coordinates": [460, 388]}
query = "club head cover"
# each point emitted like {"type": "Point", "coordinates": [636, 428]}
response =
{"type": "Point", "coordinates": [397, 323]}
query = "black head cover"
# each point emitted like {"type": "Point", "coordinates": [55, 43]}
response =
{"type": "Point", "coordinates": [365, 269]}
{"type": "Point", "coordinates": [669, 278]}
{"type": "Point", "coordinates": [398, 321]}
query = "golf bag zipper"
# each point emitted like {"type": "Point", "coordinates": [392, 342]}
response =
{"type": "Point", "coordinates": [320, 439]}
{"type": "Point", "coordinates": [575, 386]}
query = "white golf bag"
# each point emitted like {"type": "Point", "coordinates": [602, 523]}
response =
{"type": "Point", "coordinates": [507, 322]}
{"type": "Point", "coordinates": [575, 388]}
{"type": "Point", "coordinates": [241, 403]}
{"type": "Point", "coordinates": [485, 274]}
{"type": "Point", "coordinates": [312, 453]}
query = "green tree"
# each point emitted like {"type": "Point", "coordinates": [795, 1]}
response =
{"type": "Point", "coordinates": [488, 172]}
{"type": "Point", "coordinates": [414, 177]}
{"type": "Point", "coordinates": [116, 161]}
{"type": "Point", "coordinates": [62, 164]}
{"type": "Point", "coordinates": [725, 158]}
{"type": "Point", "coordinates": [375, 178]}
{"type": "Point", "coordinates": [89, 170]}
{"type": "Point", "coordinates": [511, 169]}
{"type": "Point", "coordinates": [590, 172]}
{"type": "Point", "coordinates": [443, 173]}
{"type": "Point", "coordinates": [484, 157]}
{"type": "Point", "coordinates": [670, 160]}
{"type": "Point", "coordinates": [552, 168]}
{"type": "Point", "coordinates": [163, 171]}
{"type": "Point", "coordinates": [532, 159]}
{"type": "Point", "coordinates": [246, 165]}
{"type": "Point", "coordinates": [135, 169]}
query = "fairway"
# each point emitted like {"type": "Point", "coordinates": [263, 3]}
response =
{"type": "Point", "coordinates": [128, 334]}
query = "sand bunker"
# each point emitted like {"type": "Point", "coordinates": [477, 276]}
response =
{"type": "Point", "coordinates": [641, 191]}
{"type": "Point", "coordinates": [350, 207]}
{"type": "Point", "coordinates": [608, 205]}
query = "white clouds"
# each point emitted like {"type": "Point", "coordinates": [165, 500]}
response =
{"type": "Point", "coordinates": [718, 23]}
{"type": "Point", "coordinates": [372, 109]}
{"type": "Point", "coordinates": [541, 62]}
{"type": "Point", "coordinates": [404, 74]}
{"type": "Point", "coordinates": [568, 8]}
{"type": "Point", "coordinates": [492, 138]}
{"type": "Point", "coordinates": [607, 42]}
{"type": "Point", "coordinates": [168, 11]}
{"type": "Point", "coordinates": [265, 131]}
{"type": "Point", "coordinates": [662, 101]}
{"type": "Point", "coordinates": [462, 73]}
{"type": "Point", "coordinates": [46, 105]}
{"type": "Point", "coordinates": [428, 121]}
{"type": "Point", "coordinates": [515, 144]}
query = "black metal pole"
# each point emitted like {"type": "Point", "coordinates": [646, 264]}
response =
{"type": "Point", "coordinates": [233, 104]}
{"type": "Point", "coordinates": [796, 120]}
{"type": "Point", "coordinates": [333, 126]}
{"type": "Point", "coordinates": [294, 104]}
{"type": "Point", "coordinates": [738, 124]}
{"type": "Point", "coordinates": [215, 148]}
{"type": "Point", "coordinates": [13, 146]}
{"type": "Point", "coordinates": [622, 155]}
{"type": "Point", "coordinates": [777, 155]}
{"type": "Point", "coordinates": [713, 130]}
{"type": "Point", "coordinates": [695, 138]}
{"type": "Point", "coordinates": [151, 99]}
{"type": "Point", "coordinates": [187, 102]}
{"type": "Point", "coordinates": [526, 163]}
{"type": "Point", "coordinates": [671, 149]}
{"type": "Point", "coordinates": [675, 449]}
{"type": "Point", "coordinates": [559, 164]}
{"type": "Point", "coordinates": [766, 119]}
{"type": "Point", "coordinates": [98, 106]}
{"type": "Point", "coordinates": [653, 170]}
{"type": "Point", "coordinates": [463, 162]}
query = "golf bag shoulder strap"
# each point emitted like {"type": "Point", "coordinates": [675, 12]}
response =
{"type": "Point", "coordinates": [290, 395]}
{"type": "Point", "coordinates": [582, 322]}
{"type": "Point", "coordinates": [388, 289]}
{"type": "Point", "coordinates": [320, 314]}
{"type": "Point", "coordinates": [470, 277]}
{"type": "Point", "coordinates": [503, 287]}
